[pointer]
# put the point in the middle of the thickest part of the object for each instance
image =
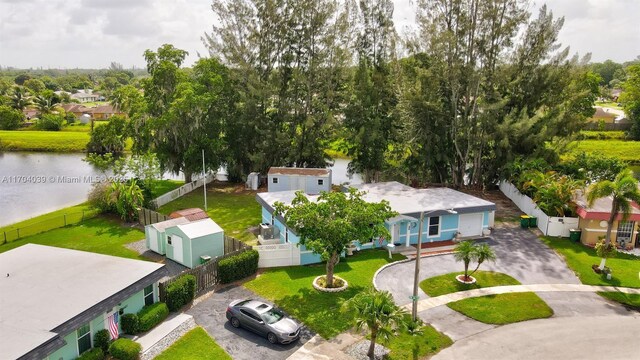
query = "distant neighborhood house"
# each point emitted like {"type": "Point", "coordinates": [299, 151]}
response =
{"type": "Point", "coordinates": [84, 96]}
{"type": "Point", "coordinates": [308, 180]}
{"type": "Point", "coordinates": [54, 300]}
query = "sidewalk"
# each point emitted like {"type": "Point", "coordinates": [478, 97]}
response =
{"type": "Point", "coordinates": [432, 302]}
{"type": "Point", "coordinates": [162, 336]}
{"type": "Point", "coordinates": [320, 349]}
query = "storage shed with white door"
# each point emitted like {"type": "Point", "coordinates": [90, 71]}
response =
{"type": "Point", "coordinates": [308, 180]}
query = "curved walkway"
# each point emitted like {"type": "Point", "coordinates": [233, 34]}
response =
{"type": "Point", "coordinates": [433, 302]}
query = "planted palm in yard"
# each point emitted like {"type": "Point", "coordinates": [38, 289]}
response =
{"type": "Point", "coordinates": [467, 252]}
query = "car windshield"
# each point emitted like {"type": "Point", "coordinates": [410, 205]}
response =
{"type": "Point", "coordinates": [272, 316]}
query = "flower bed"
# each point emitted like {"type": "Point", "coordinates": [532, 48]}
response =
{"type": "Point", "coordinates": [319, 283]}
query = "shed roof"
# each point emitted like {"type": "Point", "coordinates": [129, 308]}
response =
{"type": "Point", "coordinates": [163, 225]}
{"type": "Point", "coordinates": [48, 288]}
{"type": "Point", "coordinates": [299, 171]}
{"type": "Point", "coordinates": [200, 228]}
{"type": "Point", "coordinates": [191, 214]}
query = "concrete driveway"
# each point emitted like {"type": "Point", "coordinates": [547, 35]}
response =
{"type": "Point", "coordinates": [600, 337]}
{"type": "Point", "coordinates": [519, 253]}
{"type": "Point", "coordinates": [241, 344]}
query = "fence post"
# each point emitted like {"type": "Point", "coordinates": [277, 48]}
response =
{"type": "Point", "coordinates": [18, 231]}
{"type": "Point", "coordinates": [65, 219]}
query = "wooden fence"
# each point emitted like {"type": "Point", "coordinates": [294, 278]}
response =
{"type": "Point", "coordinates": [207, 274]}
{"type": "Point", "coordinates": [146, 217]}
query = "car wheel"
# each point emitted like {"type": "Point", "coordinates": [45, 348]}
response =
{"type": "Point", "coordinates": [272, 338]}
{"type": "Point", "coordinates": [235, 322]}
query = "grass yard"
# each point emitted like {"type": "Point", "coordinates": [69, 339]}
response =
{"type": "Point", "coordinates": [609, 104]}
{"type": "Point", "coordinates": [624, 267]}
{"type": "Point", "coordinates": [40, 222]}
{"type": "Point", "coordinates": [164, 186]}
{"type": "Point", "coordinates": [503, 308]}
{"type": "Point", "coordinates": [492, 309]}
{"type": "Point", "coordinates": [406, 346]}
{"type": "Point", "coordinates": [46, 141]}
{"type": "Point", "coordinates": [290, 288]}
{"type": "Point", "coordinates": [602, 135]}
{"type": "Point", "coordinates": [632, 300]}
{"type": "Point", "coordinates": [621, 149]}
{"type": "Point", "coordinates": [447, 284]}
{"type": "Point", "coordinates": [196, 344]}
{"type": "Point", "coordinates": [231, 206]}
{"type": "Point", "coordinates": [103, 235]}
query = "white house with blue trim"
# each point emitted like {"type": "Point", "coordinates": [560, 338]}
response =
{"type": "Point", "coordinates": [448, 215]}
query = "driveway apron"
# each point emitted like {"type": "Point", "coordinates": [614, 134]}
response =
{"type": "Point", "coordinates": [241, 344]}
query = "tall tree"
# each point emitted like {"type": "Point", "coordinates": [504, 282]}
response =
{"type": "Point", "coordinates": [19, 98]}
{"type": "Point", "coordinates": [369, 116]}
{"type": "Point", "coordinates": [631, 99]}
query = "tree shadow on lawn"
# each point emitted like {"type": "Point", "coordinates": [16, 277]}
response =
{"type": "Point", "coordinates": [109, 225]}
{"type": "Point", "coordinates": [297, 272]}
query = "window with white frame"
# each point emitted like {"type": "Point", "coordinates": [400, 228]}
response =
{"type": "Point", "coordinates": [148, 295]}
{"type": "Point", "coordinates": [84, 338]}
{"type": "Point", "coordinates": [274, 180]}
{"type": "Point", "coordinates": [434, 225]}
{"type": "Point", "coordinates": [320, 182]}
{"type": "Point", "coordinates": [625, 230]}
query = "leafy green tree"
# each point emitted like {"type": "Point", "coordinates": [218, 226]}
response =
{"type": "Point", "coordinates": [36, 86]}
{"type": "Point", "coordinates": [20, 79]}
{"type": "Point", "coordinates": [327, 226]}
{"type": "Point", "coordinates": [623, 191]}
{"type": "Point", "coordinates": [50, 122]}
{"type": "Point", "coordinates": [608, 71]}
{"type": "Point", "coordinates": [467, 251]}
{"type": "Point", "coordinates": [592, 167]}
{"type": "Point", "coordinates": [377, 312]}
{"type": "Point", "coordinates": [46, 102]}
{"type": "Point", "coordinates": [10, 119]}
{"type": "Point", "coordinates": [109, 138]}
{"type": "Point", "coordinates": [126, 198]}
{"type": "Point", "coordinates": [631, 99]}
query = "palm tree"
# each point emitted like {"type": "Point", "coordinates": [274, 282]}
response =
{"type": "Point", "coordinates": [465, 252]}
{"type": "Point", "coordinates": [46, 104]}
{"type": "Point", "coordinates": [483, 253]}
{"type": "Point", "coordinates": [376, 311]}
{"type": "Point", "coordinates": [623, 190]}
{"type": "Point", "coordinates": [19, 99]}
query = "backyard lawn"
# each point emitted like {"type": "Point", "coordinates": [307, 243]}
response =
{"type": "Point", "coordinates": [493, 309]}
{"type": "Point", "coordinates": [196, 344]}
{"type": "Point", "coordinates": [47, 141]}
{"type": "Point", "coordinates": [406, 346]}
{"type": "Point", "coordinates": [231, 206]}
{"type": "Point", "coordinates": [624, 267]}
{"type": "Point", "coordinates": [103, 235]}
{"type": "Point", "coordinates": [164, 186]}
{"type": "Point", "coordinates": [632, 300]}
{"type": "Point", "coordinates": [620, 149]}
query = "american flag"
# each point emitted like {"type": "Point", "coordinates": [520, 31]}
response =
{"type": "Point", "coordinates": [113, 325]}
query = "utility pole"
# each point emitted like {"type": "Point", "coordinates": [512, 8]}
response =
{"type": "Point", "coordinates": [416, 277]}
{"type": "Point", "coordinates": [204, 183]}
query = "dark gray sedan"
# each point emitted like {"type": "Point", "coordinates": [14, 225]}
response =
{"type": "Point", "coordinates": [263, 319]}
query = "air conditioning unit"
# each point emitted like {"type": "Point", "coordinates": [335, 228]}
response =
{"type": "Point", "coordinates": [266, 231]}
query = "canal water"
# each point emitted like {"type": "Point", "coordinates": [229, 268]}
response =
{"type": "Point", "coordinates": [32, 184]}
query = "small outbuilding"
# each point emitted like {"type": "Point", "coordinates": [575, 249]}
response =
{"type": "Point", "coordinates": [189, 243]}
{"type": "Point", "coordinates": [311, 181]}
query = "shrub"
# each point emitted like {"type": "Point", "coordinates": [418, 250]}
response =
{"type": "Point", "coordinates": [181, 292]}
{"type": "Point", "coordinates": [109, 138]}
{"type": "Point", "coordinates": [130, 324]}
{"type": "Point", "coordinates": [93, 354]}
{"type": "Point", "coordinates": [125, 349]}
{"type": "Point", "coordinates": [238, 266]}
{"type": "Point", "coordinates": [152, 315]}
{"type": "Point", "coordinates": [10, 119]}
{"type": "Point", "coordinates": [50, 122]}
{"type": "Point", "coordinates": [101, 340]}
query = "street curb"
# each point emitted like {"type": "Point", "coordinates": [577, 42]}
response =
{"type": "Point", "coordinates": [375, 276]}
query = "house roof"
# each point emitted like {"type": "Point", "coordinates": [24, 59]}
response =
{"type": "Point", "coordinates": [191, 214]}
{"type": "Point", "coordinates": [200, 228]}
{"type": "Point", "coordinates": [75, 108]}
{"type": "Point", "coordinates": [163, 225]}
{"type": "Point", "coordinates": [601, 208]}
{"type": "Point", "coordinates": [105, 109]}
{"type": "Point", "coordinates": [48, 292]}
{"type": "Point", "coordinates": [402, 198]}
{"type": "Point", "coordinates": [299, 171]}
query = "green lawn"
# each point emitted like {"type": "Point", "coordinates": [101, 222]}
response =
{"type": "Point", "coordinates": [621, 149]}
{"type": "Point", "coordinates": [46, 141]}
{"type": "Point", "coordinates": [503, 308]}
{"type": "Point", "coordinates": [164, 186]}
{"type": "Point", "coordinates": [232, 207]}
{"type": "Point", "coordinates": [291, 289]}
{"type": "Point", "coordinates": [196, 344]}
{"type": "Point", "coordinates": [447, 283]}
{"type": "Point", "coordinates": [625, 268]}
{"type": "Point", "coordinates": [405, 346]}
{"type": "Point", "coordinates": [492, 309]}
{"type": "Point", "coordinates": [609, 104]}
{"type": "Point", "coordinates": [103, 235]}
{"type": "Point", "coordinates": [602, 135]}
{"type": "Point", "coordinates": [632, 300]}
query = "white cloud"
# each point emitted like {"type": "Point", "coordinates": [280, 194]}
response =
{"type": "Point", "coordinates": [92, 33]}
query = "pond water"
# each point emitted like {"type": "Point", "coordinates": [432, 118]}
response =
{"type": "Point", "coordinates": [32, 184]}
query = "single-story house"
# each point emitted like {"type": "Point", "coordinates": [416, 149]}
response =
{"type": "Point", "coordinates": [76, 109]}
{"type": "Point", "coordinates": [448, 214]}
{"type": "Point", "coordinates": [54, 300]}
{"type": "Point", "coordinates": [85, 96]}
{"type": "Point", "coordinates": [593, 221]}
{"type": "Point", "coordinates": [104, 112]}
{"type": "Point", "coordinates": [189, 243]}
{"type": "Point", "coordinates": [309, 180]}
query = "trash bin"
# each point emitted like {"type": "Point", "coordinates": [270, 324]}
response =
{"type": "Point", "coordinates": [533, 221]}
{"type": "Point", "coordinates": [524, 221]}
{"type": "Point", "coordinates": [574, 235]}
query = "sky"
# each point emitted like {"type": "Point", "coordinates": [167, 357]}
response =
{"type": "Point", "coordinates": [93, 33]}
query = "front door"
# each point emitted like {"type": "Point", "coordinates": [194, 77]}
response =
{"type": "Point", "coordinates": [395, 233]}
{"type": "Point", "coordinates": [624, 233]}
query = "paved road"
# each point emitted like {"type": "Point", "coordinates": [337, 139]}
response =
{"type": "Point", "coordinates": [566, 338]}
{"type": "Point", "coordinates": [239, 343]}
{"type": "Point", "coordinates": [520, 254]}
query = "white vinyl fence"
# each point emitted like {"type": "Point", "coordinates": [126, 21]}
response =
{"type": "Point", "coordinates": [278, 255]}
{"type": "Point", "coordinates": [184, 189]}
{"type": "Point", "coordinates": [549, 225]}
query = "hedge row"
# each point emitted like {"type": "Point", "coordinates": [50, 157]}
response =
{"type": "Point", "coordinates": [237, 267]}
{"type": "Point", "coordinates": [145, 319]}
{"type": "Point", "coordinates": [125, 349]}
{"type": "Point", "coordinates": [180, 292]}
{"type": "Point", "coordinates": [93, 354]}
